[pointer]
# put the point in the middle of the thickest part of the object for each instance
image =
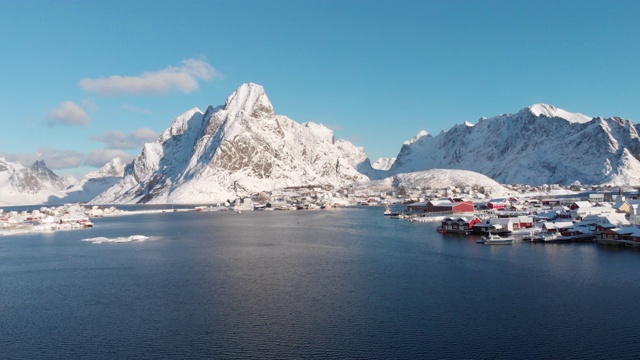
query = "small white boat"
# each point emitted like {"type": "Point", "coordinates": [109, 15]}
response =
{"type": "Point", "coordinates": [492, 239]}
{"type": "Point", "coordinates": [392, 214]}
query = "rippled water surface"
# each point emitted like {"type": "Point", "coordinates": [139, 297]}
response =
{"type": "Point", "coordinates": [340, 283]}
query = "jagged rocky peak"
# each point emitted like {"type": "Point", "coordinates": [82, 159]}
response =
{"type": "Point", "coordinates": [552, 111]}
{"type": "Point", "coordinates": [233, 151]}
{"type": "Point", "coordinates": [39, 164]}
{"type": "Point", "coordinates": [115, 167]}
{"type": "Point", "coordinates": [322, 131]}
{"type": "Point", "coordinates": [41, 170]}
{"type": "Point", "coordinates": [251, 99]}
{"type": "Point", "coordinates": [539, 144]}
{"type": "Point", "coordinates": [420, 135]}
{"type": "Point", "coordinates": [180, 123]}
{"type": "Point", "coordinates": [383, 163]}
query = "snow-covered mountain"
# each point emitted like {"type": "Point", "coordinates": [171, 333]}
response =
{"type": "Point", "coordinates": [234, 151]}
{"type": "Point", "coordinates": [438, 179]}
{"type": "Point", "coordinates": [93, 183]}
{"type": "Point", "coordinates": [383, 163]}
{"type": "Point", "coordinates": [38, 185]}
{"type": "Point", "coordinates": [540, 144]}
{"type": "Point", "coordinates": [445, 178]}
{"type": "Point", "coordinates": [20, 185]}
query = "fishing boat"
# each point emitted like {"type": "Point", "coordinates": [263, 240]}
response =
{"type": "Point", "coordinates": [493, 239]}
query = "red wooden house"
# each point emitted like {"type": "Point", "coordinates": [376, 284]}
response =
{"type": "Point", "coordinates": [498, 204]}
{"type": "Point", "coordinates": [525, 222]}
{"type": "Point", "coordinates": [442, 205]}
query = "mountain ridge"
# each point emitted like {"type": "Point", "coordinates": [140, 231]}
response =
{"type": "Point", "coordinates": [532, 147]}
{"type": "Point", "coordinates": [244, 147]}
{"type": "Point", "coordinates": [234, 151]}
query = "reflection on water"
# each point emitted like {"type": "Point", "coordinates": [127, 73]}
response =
{"type": "Point", "coordinates": [340, 283]}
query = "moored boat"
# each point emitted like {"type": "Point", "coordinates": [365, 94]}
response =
{"type": "Point", "coordinates": [388, 212]}
{"type": "Point", "coordinates": [493, 239]}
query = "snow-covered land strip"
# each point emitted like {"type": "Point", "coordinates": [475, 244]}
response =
{"type": "Point", "coordinates": [25, 228]}
{"type": "Point", "coordinates": [121, 239]}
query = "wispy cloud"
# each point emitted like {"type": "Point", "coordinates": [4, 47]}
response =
{"type": "Point", "coordinates": [121, 141]}
{"type": "Point", "coordinates": [99, 157]}
{"type": "Point", "coordinates": [54, 158]}
{"type": "Point", "coordinates": [68, 114]}
{"type": "Point", "coordinates": [182, 78]}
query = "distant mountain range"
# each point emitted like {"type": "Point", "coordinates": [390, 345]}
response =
{"type": "Point", "coordinates": [37, 184]}
{"type": "Point", "coordinates": [244, 147]}
{"type": "Point", "coordinates": [540, 144]}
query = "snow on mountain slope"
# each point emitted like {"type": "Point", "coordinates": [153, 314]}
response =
{"type": "Point", "coordinates": [93, 183]}
{"type": "Point", "coordinates": [234, 151]}
{"type": "Point", "coordinates": [552, 111]}
{"type": "Point", "coordinates": [441, 179]}
{"type": "Point", "coordinates": [38, 185]}
{"type": "Point", "coordinates": [539, 144]}
{"type": "Point", "coordinates": [383, 163]}
{"type": "Point", "coordinates": [20, 185]}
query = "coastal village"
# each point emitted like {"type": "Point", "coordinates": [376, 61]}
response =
{"type": "Point", "coordinates": [606, 216]}
{"type": "Point", "coordinates": [601, 218]}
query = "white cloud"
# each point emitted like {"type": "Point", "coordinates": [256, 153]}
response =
{"type": "Point", "coordinates": [68, 114]}
{"type": "Point", "coordinates": [98, 158]}
{"type": "Point", "coordinates": [183, 78]}
{"type": "Point", "coordinates": [119, 140]}
{"type": "Point", "coordinates": [55, 159]}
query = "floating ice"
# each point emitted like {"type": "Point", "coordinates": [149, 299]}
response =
{"type": "Point", "coordinates": [122, 239]}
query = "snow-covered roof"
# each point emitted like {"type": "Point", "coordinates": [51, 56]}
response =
{"type": "Point", "coordinates": [583, 204]}
{"type": "Point", "coordinates": [628, 230]}
{"type": "Point", "coordinates": [563, 224]}
{"type": "Point", "coordinates": [595, 210]}
{"type": "Point", "coordinates": [612, 218]}
{"type": "Point", "coordinates": [441, 202]}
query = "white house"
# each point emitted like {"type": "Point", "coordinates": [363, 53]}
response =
{"type": "Point", "coordinates": [595, 210]}
{"type": "Point", "coordinates": [618, 219]}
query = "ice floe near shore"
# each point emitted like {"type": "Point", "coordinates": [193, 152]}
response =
{"type": "Point", "coordinates": [121, 239]}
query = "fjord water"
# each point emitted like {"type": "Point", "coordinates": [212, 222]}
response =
{"type": "Point", "coordinates": [339, 283]}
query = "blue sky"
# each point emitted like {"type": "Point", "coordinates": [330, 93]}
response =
{"type": "Point", "coordinates": [83, 81]}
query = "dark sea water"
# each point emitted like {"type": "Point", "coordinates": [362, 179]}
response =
{"type": "Point", "coordinates": [340, 283]}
